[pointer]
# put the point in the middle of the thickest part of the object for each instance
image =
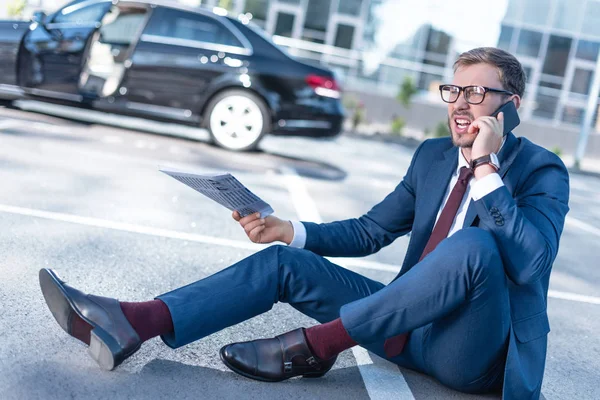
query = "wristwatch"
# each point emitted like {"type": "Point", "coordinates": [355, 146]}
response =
{"type": "Point", "coordinates": [491, 159]}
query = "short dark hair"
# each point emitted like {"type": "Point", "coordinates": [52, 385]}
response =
{"type": "Point", "coordinates": [510, 70]}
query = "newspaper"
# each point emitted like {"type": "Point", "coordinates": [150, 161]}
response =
{"type": "Point", "coordinates": [225, 189]}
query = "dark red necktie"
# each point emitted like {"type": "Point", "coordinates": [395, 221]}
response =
{"type": "Point", "coordinates": [394, 345]}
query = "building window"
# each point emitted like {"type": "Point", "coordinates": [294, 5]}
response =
{"type": "Point", "coordinates": [528, 73]}
{"type": "Point", "coordinates": [591, 19]}
{"type": "Point", "coordinates": [573, 115]}
{"type": "Point", "coordinates": [587, 50]}
{"type": "Point", "coordinates": [258, 8]}
{"type": "Point", "coordinates": [313, 36]}
{"type": "Point", "coordinates": [505, 38]}
{"type": "Point", "coordinates": [513, 11]}
{"type": "Point", "coordinates": [284, 25]}
{"type": "Point", "coordinates": [582, 81]}
{"type": "Point", "coordinates": [535, 12]}
{"type": "Point", "coordinates": [529, 43]}
{"type": "Point", "coordinates": [349, 7]}
{"type": "Point", "coordinates": [437, 42]}
{"type": "Point", "coordinates": [545, 106]}
{"type": "Point", "coordinates": [429, 82]}
{"type": "Point", "coordinates": [568, 14]}
{"type": "Point", "coordinates": [557, 55]}
{"type": "Point", "coordinates": [317, 14]}
{"type": "Point", "coordinates": [344, 36]}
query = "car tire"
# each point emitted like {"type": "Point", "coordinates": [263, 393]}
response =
{"type": "Point", "coordinates": [237, 120]}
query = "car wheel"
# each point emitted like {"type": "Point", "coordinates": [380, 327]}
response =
{"type": "Point", "coordinates": [237, 120]}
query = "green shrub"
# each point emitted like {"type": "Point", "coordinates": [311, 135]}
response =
{"type": "Point", "coordinates": [16, 8]}
{"type": "Point", "coordinates": [557, 150]}
{"type": "Point", "coordinates": [441, 130]}
{"type": "Point", "coordinates": [358, 116]}
{"type": "Point", "coordinates": [406, 92]}
{"type": "Point", "coordinates": [350, 101]}
{"type": "Point", "coordinates": [398, 124]}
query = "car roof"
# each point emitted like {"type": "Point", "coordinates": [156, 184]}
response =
{"type": "Point", "coordinates": [162, 3]}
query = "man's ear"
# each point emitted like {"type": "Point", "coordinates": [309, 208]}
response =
{"type": "Point", "coordinates": [517, 100]}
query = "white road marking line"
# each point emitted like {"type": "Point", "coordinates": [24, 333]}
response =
{"type": "Point", "coordinates": [112, 139]}
{"type": "Point", "coordinates": [126, 227]}
{"type": "Point", "coordinates": [573, 297]}
{"type": "Point", "coordinates": [380, 383]}
{"type": "Point", "coordinates": [387, 382]}
{"type": "Point", "coordinates": [238, 244]}
{"type": "Point", "coordinates": [575, 223]}
{"type": "Point", "coordinates": [9, 124]}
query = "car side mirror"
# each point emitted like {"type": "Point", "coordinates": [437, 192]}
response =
{"type": "Point", "coordinates": [38, 17]}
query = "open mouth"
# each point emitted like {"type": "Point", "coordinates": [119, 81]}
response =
{"type": "Point", "coordinates": [462, 124]}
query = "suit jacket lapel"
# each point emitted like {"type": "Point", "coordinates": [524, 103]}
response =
{"type": "Point", "coordinates": [436, 184]}
{"type": "Point", "coordinates": [506, 156]}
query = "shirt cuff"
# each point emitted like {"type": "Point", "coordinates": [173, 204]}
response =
{"type": "Point", "coordinates": [485, 186]}
{"type": "Point", "coordinates": [299, 240]}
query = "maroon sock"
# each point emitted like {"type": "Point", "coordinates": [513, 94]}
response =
{"type": "Point", "coordinates": [148, 318]}
{"type": "Point", "coordinates": [328, 340]}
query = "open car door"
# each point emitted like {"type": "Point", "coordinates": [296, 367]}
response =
{"type": "Point", "coordinates": [55, 50]}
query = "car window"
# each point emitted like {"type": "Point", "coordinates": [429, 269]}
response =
{"type": "Point", "coordinates": [88, 14]}
{"type": "Point", "coordinates": [120, 27]}
{"type": "Point", "coordinates": [189, 26]}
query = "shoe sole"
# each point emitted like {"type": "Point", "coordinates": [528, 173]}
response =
{"type": "Point", "coordinates": [103, 348]}
{"type": "Point", "coordinates": [258, 378]}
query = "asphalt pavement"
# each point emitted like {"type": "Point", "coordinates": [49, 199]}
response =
{"type": "Point", "coordinates": [87, 200]}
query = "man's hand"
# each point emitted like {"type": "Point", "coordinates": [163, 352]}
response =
{"type": "Point", "coordinates": [265, 230]}
{"type": "Point", "coordinates": [489, 138]}
{"type": "Point", "coordinates": [488, 141]}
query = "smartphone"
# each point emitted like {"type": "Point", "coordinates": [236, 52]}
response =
{"type": "Point", "coordinates": [511, 117]}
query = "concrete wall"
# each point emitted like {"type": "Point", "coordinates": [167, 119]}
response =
{"type": "Point", "coordinates": [423, 115]}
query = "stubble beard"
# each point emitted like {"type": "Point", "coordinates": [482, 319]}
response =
{"type": "Point", "coordinates": [457, 140]}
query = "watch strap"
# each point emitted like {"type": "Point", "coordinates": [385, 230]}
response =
{"type": "Point", "coordinates": [487, 159]}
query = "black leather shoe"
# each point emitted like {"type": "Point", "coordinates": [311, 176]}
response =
{"type": "Point", "coordinates": [112, 339]}
{"type": "Point", "coordinates": [276, 359]}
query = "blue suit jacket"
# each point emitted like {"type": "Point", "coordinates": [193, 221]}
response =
{"type": "Point", "coordinates": [533, 205]}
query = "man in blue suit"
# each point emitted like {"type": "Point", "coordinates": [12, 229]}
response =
{"type": "Point", "coordinates": [485, 212]}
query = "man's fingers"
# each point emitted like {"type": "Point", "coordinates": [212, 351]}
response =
{"type": "Point", "coordinates": [255, 234]}
{"type": "Point", "coordinates": [251, 225]}
{"type": "Point", "coordinates": [249, 218]}
{"type": "Point", "coordinates": [236, 215]}
{"type": "Point", "coordinates": [473, 127]}
{"type": "Point", "coordinates": [501, 122]}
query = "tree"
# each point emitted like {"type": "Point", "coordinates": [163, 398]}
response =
{"type": "Point", "coordinates": [226, 4]}
{"type": "Point", "coordinates": [16, 8]}
{"type": "Point", "coordinates": [406, 92]}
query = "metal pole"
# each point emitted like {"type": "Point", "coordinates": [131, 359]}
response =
{"type": "Point", "coordinates": [590, 110]}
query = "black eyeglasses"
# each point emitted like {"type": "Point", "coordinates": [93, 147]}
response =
{"type": "Point", "coordinates": [472, 94]}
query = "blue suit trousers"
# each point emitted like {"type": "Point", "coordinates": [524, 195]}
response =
{"type": "Point", "coordinates": [455, 303]}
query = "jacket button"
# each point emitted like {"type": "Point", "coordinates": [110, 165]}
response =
{"type": "Point", "coordinates": [493, 209]}
{"type": "Point", "coordinates": [500, 221]}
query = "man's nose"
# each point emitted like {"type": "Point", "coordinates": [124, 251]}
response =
{"type": "Point", "coordinates": [461, 103]}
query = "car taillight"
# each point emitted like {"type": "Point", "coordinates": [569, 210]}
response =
{"type": "Point", "coordinates": [324, 86]}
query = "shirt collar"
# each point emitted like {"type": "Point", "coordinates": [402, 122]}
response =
{"type": "Point", "coordinates": [462, 162]}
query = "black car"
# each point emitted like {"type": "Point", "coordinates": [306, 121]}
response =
{"type": "Point", "coordinates": [168, 62]}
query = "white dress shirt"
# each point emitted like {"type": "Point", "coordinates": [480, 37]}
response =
{"type": "Point", "coordinates": [476, 190]}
